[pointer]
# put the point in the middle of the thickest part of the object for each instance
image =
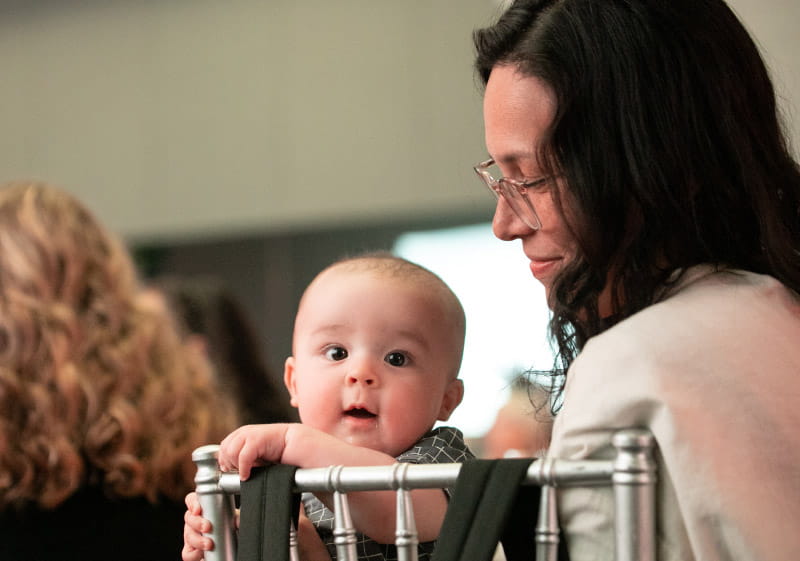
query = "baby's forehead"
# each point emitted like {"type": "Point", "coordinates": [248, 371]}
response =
{"type": "Point", "coordinates": [365, 284]}
{"type": "Point", "coordinates": [408, 284]}
{"type": "Point", "coordinates": [399, 304]}
{"type": "Point", "coordinates": [408, 279]}
{"type": "Point", "coordinates": [373, 291]}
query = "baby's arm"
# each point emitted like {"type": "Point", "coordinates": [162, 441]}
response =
{"type": "Point", "coordinates": [309, 544]}
{"type": "Point", "coordinates": [373, 512]}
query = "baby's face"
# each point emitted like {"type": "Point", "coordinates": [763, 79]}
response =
{"type": "Point", "coordinates": [373, 360]}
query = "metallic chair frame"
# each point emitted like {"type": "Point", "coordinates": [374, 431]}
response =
{"type": "Point", "coordinates": [631, 474]}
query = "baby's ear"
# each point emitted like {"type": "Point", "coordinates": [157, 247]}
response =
{"type": "Point", "coordinates": [453, 395]}
{"type": "Point", "coordinates": [288, 380]}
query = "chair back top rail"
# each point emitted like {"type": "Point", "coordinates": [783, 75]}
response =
{"type": "Point", "coordinates": [633, 463]}
{"type": "Point", "coordinates": [631, 474]}
{"type": "Point", "coordinates": [431, 476]}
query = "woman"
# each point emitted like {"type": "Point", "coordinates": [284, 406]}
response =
{"type": "Point", "coordinates": [100, 404]}
{"type": "Point", "coordinates": [646, 174]}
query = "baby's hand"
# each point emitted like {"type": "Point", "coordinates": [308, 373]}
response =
{"type": "Point", "coordinates": [252, 445]}
{"type": "Point", "coordinates": [194, 543]}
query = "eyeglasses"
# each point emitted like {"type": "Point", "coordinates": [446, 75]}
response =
{"type": "Point", "coordinates": [513, 191]}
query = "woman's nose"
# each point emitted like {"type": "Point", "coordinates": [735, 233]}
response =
{"type": "Point", "coordinates": [506, 225]}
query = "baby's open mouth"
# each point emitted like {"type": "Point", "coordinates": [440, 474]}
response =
{"type": "Point", "coordinates": [359, 413]}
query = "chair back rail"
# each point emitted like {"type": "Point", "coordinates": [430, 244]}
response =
{"type": "Point", "coordinates": [631, 474]}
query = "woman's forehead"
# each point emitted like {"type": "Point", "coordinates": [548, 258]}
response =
{"type": "Point", "coordinates": [518, 110]}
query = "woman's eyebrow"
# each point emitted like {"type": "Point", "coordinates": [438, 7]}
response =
{"type": "Point", "coordinates": [513, 160]}
{"type": "Point", "coordinates": [515, 156]}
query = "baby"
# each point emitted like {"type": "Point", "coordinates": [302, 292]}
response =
{"type": "Point", "coordinates": [376, 352]}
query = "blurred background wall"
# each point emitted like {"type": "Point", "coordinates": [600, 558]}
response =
{"type": "Point", "coordinates": [179, 118]}
{"type": "Point", "coordinates": [260, 139]}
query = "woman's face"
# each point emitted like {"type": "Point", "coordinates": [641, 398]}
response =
{"type": "Point", "coordinates": [517, 111]}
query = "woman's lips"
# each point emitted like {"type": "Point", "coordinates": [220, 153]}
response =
{"type": "Point", "coordinates": [544, 268]}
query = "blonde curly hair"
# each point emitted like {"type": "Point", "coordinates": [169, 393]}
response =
{"type": "Point", "coordinates": [95, 387]}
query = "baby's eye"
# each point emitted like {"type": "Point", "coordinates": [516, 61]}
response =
{"type": "Point", "coordinates": [336, 353]}
{"type": "Point", "coordinates": [396, 359]}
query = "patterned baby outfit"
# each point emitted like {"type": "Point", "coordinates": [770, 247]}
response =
{"type": "Point", "coordinates": [440, 446]}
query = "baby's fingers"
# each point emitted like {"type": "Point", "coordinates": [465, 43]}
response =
{"type": "Point", "coordinates": [248, 457]}
{"type": "Point", "coordinates": [252, 445]}
{"type": "Point", "coordinates": [229, 451]}
{"type": "Point", "coordinates": [193, 503]}
{"type": "Point", "coordinates": [194, 543]}
{"type": "Point", "coordinates": [189, 553]}
{"type": "Point", "coordinates": [196, 523]}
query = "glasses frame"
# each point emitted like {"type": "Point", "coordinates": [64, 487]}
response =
{"type": "Point", "coordinates": [514, 192]}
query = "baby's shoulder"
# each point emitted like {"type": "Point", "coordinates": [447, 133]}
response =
{"type": "Point", "coordinates": [438, 446]}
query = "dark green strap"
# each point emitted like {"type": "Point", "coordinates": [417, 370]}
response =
{"type": "Point", "coordinates": [488, 503]}
{"type": "Point", "coordinates": [267, 507]}
{"type": "Point", "coordinates": [461, 511]}
{"type": "Point", "coordinates": [519, 531]}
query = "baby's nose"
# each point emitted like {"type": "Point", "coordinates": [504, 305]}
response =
{"type": "Point", "coordinates": [362, 375]}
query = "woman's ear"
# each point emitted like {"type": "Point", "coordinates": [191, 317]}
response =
{"type": "Point", "coordinates": [453, 395]}
{"type": "Point", "coordinates": [288, 380]}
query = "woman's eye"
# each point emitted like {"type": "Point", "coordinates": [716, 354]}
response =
{"type": "Point", "coordinates": [534, 183]}
{"type": "Point", "coordinates": [396, 359]}
{"type": "Point", "coordinates": [335, 353]}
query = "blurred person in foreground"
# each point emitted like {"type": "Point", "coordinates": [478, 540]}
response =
{"type": "Point", "coordinates": [101, 404]}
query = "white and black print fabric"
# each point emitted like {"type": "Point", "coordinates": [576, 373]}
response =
{"type": "Point", "coordinates": [440, 446]}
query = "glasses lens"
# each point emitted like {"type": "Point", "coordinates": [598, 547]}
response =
{"type": "Point", "coordinates": [493, 178]}
{"type": "Point", "coordinates": [520, 204]}
{"type": "Point", "coordinates": [493, 171]}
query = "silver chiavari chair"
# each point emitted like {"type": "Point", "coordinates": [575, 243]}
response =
{"type": "Point", "coordinates": [631, 474]}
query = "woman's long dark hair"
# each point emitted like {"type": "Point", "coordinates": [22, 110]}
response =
{"type": "Point", "coordinates": [668, 137]}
